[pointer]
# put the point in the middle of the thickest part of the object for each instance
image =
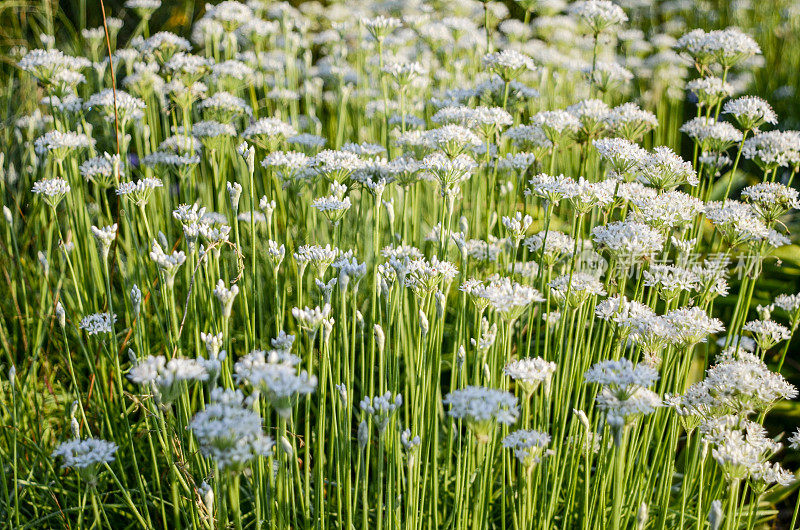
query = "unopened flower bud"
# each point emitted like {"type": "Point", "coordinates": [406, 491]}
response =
{"type": "Point", "coordinates": [389, 205]}
{"type": "Point", "coordinates": [136, 300]}
{"type": "Point", "coordinates": [234, 193]}
{"type": "Point", "coordinates": [342, 392]}
{"type": "Point", "coordinates": [423, 323]}
{"type": "Point", "coordinates": [61, 315]}
{"type": "Point", "coordinates": [268, 207]}
{"type": "Point", "coordinates": [286, 447]}
{"type": "Point", "coordinates": [377, 189]}
{"type": "Point", "coordinates": [641, 517]}
{"type": "Point", "coordinates": [363, 434]}
{"type": "Point", "coordinates": [326, 288]}
{"type": "Point", "coordinates": [104, 236]}
{"type": "Point", "coordinates": [380, 337]}
{"type": "Point", "coordinates": [226, 297]}
{"type": "Point", "coordinates": [73, 422]}
{"type": "Point", "coordinates": [43, 261]}
{"type": "Point", "coordinates": [248, 153]}
{"type": "Point", "coordinates": [207, 492]}
{"type": "Point", "coordinates": [327, 329]}
{"type": "Point", "coordinates": [344, 280]}
{"type": "Point", "coordinates": [441, 300]}
{"type": "Point", "coordinates": [583, 419]}
{"type": "Point", "coordinates": [715, 516]}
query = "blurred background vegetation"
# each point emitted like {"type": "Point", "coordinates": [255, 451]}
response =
{"type": "Point", "coordinates": [773, 23]}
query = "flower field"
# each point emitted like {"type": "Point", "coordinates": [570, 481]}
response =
{"type": "Point", "coordinates": [413, 265]}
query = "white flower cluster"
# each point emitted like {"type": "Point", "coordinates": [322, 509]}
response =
{"type": "Point", "coordinates": [767, 333]}
{"type": "Point", "coordinates": [226, 295]}
{"type": "Point", "coordinates": [52, 189]}
{"type": "Point", "coordinates": [274, 374]}
{"type": "Point", "coordinates": [318, 256]}
{"type": "Point", "coordinates": [210, 130]}
{"type": "Point", "coordinates": [104, 236]}
{"type": "Point", "coordinates": [165, 377]}
{"type": "Point", "coordinates": [630, 121]}
{"type": "Point", "coordinates": [508, 63]}
{"type": "Point", "coordinates": [737, 222]}
{"type": "Point", "coordinates": [59, 143]}
{"type": "Point", "coordinates": [225, 104]}
{"type": "Point", "coordinates": [424, 276]}
{"type": "Point", "coordinates": [100, 169]}
{"type": "Point", "coordinates": [310, 319]}
{"type": "Point", "coordinates": [624, 394]}
{"type": "Point", "coordinates": [553, 245]}
{"type": "Point", "coordinates": [381, 408]}
{"type": "Point", "coordinates": [622, 155]}
{"type": "Point", "coordinates": [164, 44]}
{"type": "Point", "coordinates": [709, 90]}
{"type": "Point", "coordinates": [670, 209]}
{"type": "Point", "coordinates": [726, 47]}
{"type": "Point", "coordinates": [665, 169]}
{"type": "Point", "coordinates": [742, 448]}
{"type": "Point", "coordinates": [529, 373]}
{"type": "Point", "coordinates": [98, 323]}
{"type": "Point", "coordinates": [750, 112]}
{"type": "Point", "coordinates": [517, 225]}
{"type": "Point", "coordinates": [54, 67]}
{"type": "Point", "coordinates": [381, 26]}
{"type": "Point", "coordinates": [711, 135]}
{"type": "Point", "coordinates": [628, 241]}
{"type": "Point", "coordinates": [228, 433]}
{"type": "Point", "coordinates": [85, 455]}
{"type": "Point", "coordinates": [505, 296]}
{"type": "Point", "coordinates": [771, 199]}
{"type": "Point", "coordinates": [598, 15]}
{"type": "Point", "coordinates": [126, 106]}
{"type": "Point", "coordinates": [269, 128]}
{"type": "Point", "coordinates": [788, 302]}
{"type": "Point", "coordinates": [556, 123]}
{"type": "Point", "coordinates": [143, 5]}
{"type": "Point", "coordinates": [671, 280]}
{"type": "Point", "coordinates": [740, 383]}
{"type": "Point", "coordinates": [139, 192]}
{"type": "Point", "coordinates": [448, 172]}
{"type": "Point", "coordinates": [482, 408]}
{"type": "Point", "coordinates": [168, 263]}
{"type": "Point", "coordinates": [529, 447]}
{"type": "Point", "coordinates": [575, 289]}
{"type": "Point", "coordinates": [773, 149]}
{"type": "Point", "coordinates": [336, 166]}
